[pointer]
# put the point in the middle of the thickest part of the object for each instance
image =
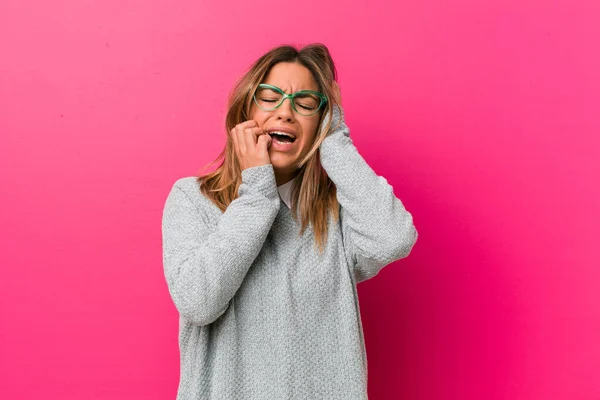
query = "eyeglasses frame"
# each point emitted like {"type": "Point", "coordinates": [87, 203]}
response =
{"type": "Point", "coordinates": [321, 96]}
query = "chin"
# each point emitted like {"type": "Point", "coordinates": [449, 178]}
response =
{"type": "Point", "coordinates": [281, 164]}
{"type": "Point", "coordinates": [280, 159]}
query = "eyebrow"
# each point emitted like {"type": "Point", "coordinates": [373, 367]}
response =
{"type": "Point", "coordinates": [301, 90]}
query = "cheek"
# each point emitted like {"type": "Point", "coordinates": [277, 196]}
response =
{"type": "Point", "coordinates": [308, 139]}
{"type": "Point", "coordinates": [310, 131]}
{"type": "Point", "coordinates": [257, 115]}
{"type": "Point", "coordinates": [260, 119]}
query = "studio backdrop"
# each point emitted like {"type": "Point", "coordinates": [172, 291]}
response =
{"type": "Point", "coordinates": [483, 116]}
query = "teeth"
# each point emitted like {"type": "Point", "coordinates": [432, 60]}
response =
{"type": "Point", "coordinates": [282, 133]}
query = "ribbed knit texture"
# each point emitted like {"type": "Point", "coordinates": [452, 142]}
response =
{"type": "Point", "coordinates": [263, 315]}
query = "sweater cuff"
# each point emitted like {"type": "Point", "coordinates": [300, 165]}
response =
{"type": "Point", "coordinates": [262, 179]}
{"type": "Point", "coordinates": [338, 124]}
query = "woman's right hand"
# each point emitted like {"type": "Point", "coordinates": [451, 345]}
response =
{"type": "Point", "coordinates": [251, 144]}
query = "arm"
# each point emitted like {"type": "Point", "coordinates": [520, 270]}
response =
{"type": "Point", "coordinates": [205, 265]}
{"type": "Point", "coordinates": [376, 227]}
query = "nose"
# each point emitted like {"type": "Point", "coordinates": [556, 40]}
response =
{"type": "Point", "coordinates": [285, 111]}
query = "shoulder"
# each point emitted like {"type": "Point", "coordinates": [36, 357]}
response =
{"type": "Point", "coordinates": [190, 186]}
{"type": "Point", "coordinates": [187, 184]}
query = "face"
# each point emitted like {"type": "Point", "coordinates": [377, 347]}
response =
{"type": "Point", "coordinates": [291, 78]}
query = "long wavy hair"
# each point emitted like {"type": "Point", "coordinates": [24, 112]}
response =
{"type": "Point", "coordinates": [313, 194]}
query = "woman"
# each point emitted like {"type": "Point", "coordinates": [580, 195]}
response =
{"type": "Point", "coordinates": [262, 256]}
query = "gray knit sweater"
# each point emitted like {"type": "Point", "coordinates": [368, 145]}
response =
{"type": "Point", "coordinates": [263, 315]}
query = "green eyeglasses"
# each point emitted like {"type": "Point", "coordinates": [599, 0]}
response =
{"type": "Point", "coordinates": [305, 102]}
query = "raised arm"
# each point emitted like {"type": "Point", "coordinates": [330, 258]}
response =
{"type": "Point", "coordinates": [376, 227]}
{"type": "Point", "coordinates": [205, 264]}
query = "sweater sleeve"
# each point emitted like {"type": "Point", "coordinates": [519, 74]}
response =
{"type": "Point", "coordinates": [376, 228]}
{"type": "Point", "coordinates": [204, 264]}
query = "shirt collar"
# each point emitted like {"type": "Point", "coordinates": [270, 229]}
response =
{"type": "Point", "coordinates": [285, 192]}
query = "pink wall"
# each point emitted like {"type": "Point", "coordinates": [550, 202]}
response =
{"type": "Point", "coordinates": [483, 115]}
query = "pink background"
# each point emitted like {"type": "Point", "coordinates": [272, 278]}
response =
{"type": "Point", "coordinates": [483, 115]}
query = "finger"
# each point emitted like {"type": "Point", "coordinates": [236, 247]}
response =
{"type": "Point", "coordinates": [241, 127]}
{"type": "Point", "coordinates": [250, 137]}
{"type": "Point", "coordinates": [241, 141]}
{"type": "Point", "coordinates": [256, 130]}
{"type": "Point", "coordinates": [264, 142]}
{"type": "Point", "coordinates": [247, 124]}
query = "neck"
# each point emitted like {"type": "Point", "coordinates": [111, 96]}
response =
{"type": "Point", "coordinates": [282, 177]}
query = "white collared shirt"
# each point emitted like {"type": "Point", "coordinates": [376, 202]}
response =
{"type": "Point", "coordinates": [285, 192]}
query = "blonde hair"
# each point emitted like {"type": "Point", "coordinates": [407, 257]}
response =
{"type": "Point", "coordinates": [313, 194]}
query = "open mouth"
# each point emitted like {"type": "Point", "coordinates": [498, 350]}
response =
{"type": "Point", "coordinates": [282, 137]}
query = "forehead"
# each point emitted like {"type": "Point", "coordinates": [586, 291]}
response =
{"type": "Point", "coordinates": [291, 77]}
